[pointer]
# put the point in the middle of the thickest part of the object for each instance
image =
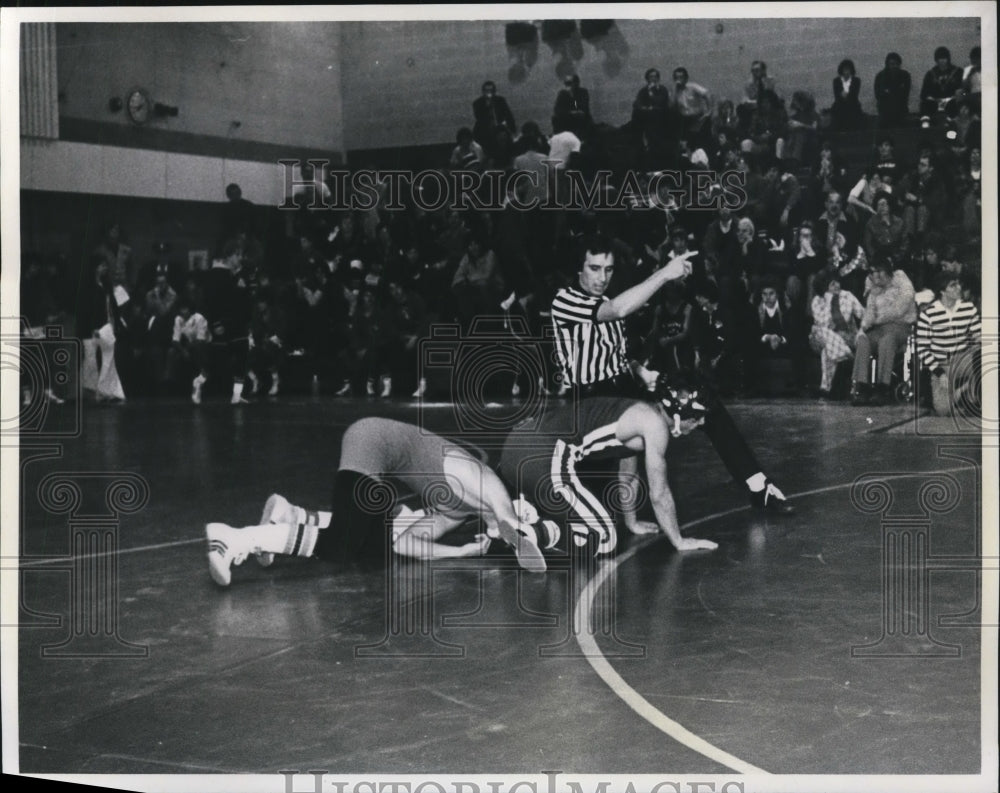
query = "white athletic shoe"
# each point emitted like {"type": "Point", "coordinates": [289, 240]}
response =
{"type": "Point", "coordinates": [526, 550]}
{"type": "Point", "coordinates": [196, 385]}
{"type": "Point", "coordinates": [277, 509]}
{"type": "Point", "coordinates": [421, 389]}
{"type": "Point", "coordinates": [226, 546]}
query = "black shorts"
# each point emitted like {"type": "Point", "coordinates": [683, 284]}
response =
{"type": "Point", "coordinates": [362, 521]}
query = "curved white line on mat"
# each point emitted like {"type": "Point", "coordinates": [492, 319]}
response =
{"type": "Point", "coordinates": [629, 695]}
{"type": "Point", "coordinates": [633, 698]}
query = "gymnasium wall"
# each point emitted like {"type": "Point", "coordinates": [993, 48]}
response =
{"type": "Point", "coordinates": [413, 83]}
{"type": "Point", "coordinates": [279, 81]}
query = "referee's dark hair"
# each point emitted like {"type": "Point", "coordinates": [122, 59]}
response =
{"type": "Point", "coordinates": [597, 244]}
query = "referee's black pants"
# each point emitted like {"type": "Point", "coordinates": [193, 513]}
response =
{"type": "Point", "coordinates": [726, 437]}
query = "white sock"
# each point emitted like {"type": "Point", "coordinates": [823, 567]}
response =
{"type": "Point", "coordinates": [547, 533]}
{"type": "Point", "coordinates": [757, 482]}
{"type": "Point", "coordinates": [313, 517]}
{"type": "Point", "coordinates": [283, 538]}
{"type": "Point", "coordinates": [237, 390]}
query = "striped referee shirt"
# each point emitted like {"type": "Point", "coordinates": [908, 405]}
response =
{"type": "Point", "coordinates": [589, 351]}
{"type": "Point", "coordinates": [942, 334]}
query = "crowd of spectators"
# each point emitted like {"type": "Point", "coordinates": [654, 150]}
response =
{"type": "Point", "coordinates": [775, 302]}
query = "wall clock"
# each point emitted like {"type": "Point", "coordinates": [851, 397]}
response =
{"type": "Point", "coordinates": [139, 106]}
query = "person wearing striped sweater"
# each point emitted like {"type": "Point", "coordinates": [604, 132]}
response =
{"type": "Point", "coordinates": [948, 336]}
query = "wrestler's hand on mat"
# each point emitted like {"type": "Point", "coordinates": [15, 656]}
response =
{"type": "Point", "coordinates": [643, 527]}
{"type": "Point", "coordinates": [476, 548]}
{"type": "Point", "coordinates": [693, 544]}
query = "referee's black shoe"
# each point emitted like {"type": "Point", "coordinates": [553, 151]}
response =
{"type": "Point", "coordinates": [771, 500]}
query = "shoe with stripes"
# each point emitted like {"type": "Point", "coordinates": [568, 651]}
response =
{"type": "Point", "coordinates": [522, 540]}
{"type": "Point", "coordinates": [226, 547]}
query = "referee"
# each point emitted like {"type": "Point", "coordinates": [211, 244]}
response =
{"type": "Point", "coordinates": [590, 328]}
{"type": "Point", "coordinates": [592, 350]}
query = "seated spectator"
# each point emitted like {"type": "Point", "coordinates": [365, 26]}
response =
{"type": "Point", "coordinates": [892, 92]}
{"type": "Point", "coordinates": [885, 160]}
{"type": "Point", "coordinates": [477, 286]}
{"type": "Point", "coordinates": [532, 160]}
{"type": "Point", "coordinates": [861, 199]}
{"type": "Point", "coordinates": [531, 139]}
{"type": "Point", "coordinates": [836, 234]}
{"type": "Point", "coordinates": [693, 105]}
{"type": "Point", "coordinates": [676, 247]}
{"type": "Point", "coordinates": [715, 340]}
{"type": "Point", "coordinates": [467, 154]}
{"type": "Point", "coordinates": [768, 127]}
{"type": "Point", "coordinates": [161, 301]}
{"type": "Point", "coordinates": [386, 256]}
{"type": "Point", "coordinates": [758, 83]}
{"type": "Point", "coordinates": [781, 204]}
{"type": "Point", "coordinates": [720, 236]}
{"type": "Point", "coordinates": [966, 125]}
{"type": "Point", "coordinates": [775, 336]}
{"type": "Point", "coordinates": [846, 110]}
{"type": "Point", "coordinates": [344, 244]}
{"type": "Point", "coordinates": [828, 175]}
{"type": "Point", "coordinates": [408, 315]}
{"type": "Point", "coordinates": [890, 312]}
{"type": "Point", "coordinates": [267, 350]}
{"type": "Point", "coordinates": [924, 197]}
{"type": "Point", "coordinates": [836, 314]}
{"type": "Point", "coordinates": [494, 128]}
{"type": "Point", "coordinates": [368, 354]}
{"type": "Point", "coordinates": [970, 193]}
{"type": "Point", "coordinates": [39, 308]}
{"type": "Point", "coordinates": [188, 346]}
{"type": "Point", "coordinates": [746, 265]}
{"type": "Point", "coordinates": [970, 275]}
{"type": "Point", "coordinates": [941, 85]}
{"type": "Point", "coordinates": [651, 119]}
{"type": "Point", "coordinates": [670, 343]}
{"type": "Point", "coordinates": [885, 235]}
{"type": "Point", "coordinates": [972, 80]}
{"type": "Point", "coordinates": [948, 338]}
{"type": "Point", "coordinates": [572, 108]}
{"type": "Point", "coordinates": [804, 264]}
{"type": "Point", "coordinates": [725, 121]}
{"type": "Point", "coordinates": [803, 130]}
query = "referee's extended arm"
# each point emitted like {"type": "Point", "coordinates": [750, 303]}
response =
{"type": "Point", "coordinates": [632, 299]}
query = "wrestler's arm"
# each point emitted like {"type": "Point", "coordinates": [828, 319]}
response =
{"type": "Point", "coordinates": [644, 422]}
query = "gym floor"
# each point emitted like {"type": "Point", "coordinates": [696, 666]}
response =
{"type": "Point", "coordinates": [844, 639]}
